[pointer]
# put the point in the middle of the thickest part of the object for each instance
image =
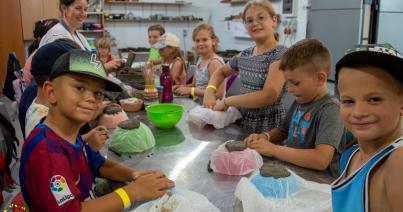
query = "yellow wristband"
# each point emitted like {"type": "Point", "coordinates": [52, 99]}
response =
{"type": "Point", "coordinates": [212, 87]}
{"type": "Point", "coordinates": [125, 198]}
{"type": "Point", "coordinates": [192, 92]}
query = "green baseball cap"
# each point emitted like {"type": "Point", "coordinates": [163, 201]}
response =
{"type": "Point", "coordinates": [383, 56]}
{"type": "Point", "coordinates": [84, 63]}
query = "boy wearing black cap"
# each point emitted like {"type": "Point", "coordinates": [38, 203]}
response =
{"type": "Point", "coordinates": [42, 63]}
{"type": "Point", "coordinates": [57, 170]}
{"type": "Point", "coordinates": [370, 82]}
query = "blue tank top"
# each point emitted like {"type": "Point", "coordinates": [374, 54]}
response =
{"type": "Point", "coordinates": [351, 193]}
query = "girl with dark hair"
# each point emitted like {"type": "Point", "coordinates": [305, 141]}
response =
{"type": "Point", "coordinates": [41, 28]}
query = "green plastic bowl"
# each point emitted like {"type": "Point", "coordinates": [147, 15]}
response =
{"type": "Point", "coordinates": [164, 116]}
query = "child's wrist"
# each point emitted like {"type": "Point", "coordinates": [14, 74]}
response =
{"type": "Point", "coordinates": [211, 87]}
{"type": "Point", "coordinates": [124, 197]}
{"type": "Point", "coordinates": [267, 135]}
{"type": "Point", "coordinates": [225, 103]}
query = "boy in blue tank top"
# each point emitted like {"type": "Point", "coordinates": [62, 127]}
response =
{"type": "Point", "coordinates": [370, 81]}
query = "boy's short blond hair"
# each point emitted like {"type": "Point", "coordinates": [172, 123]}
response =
{"type": "Point", "coordinates": [104, 42]}
{"type": "Point", "coordinates": [157, 27]}
{"type": "Point", "coordinates": [308, 54]}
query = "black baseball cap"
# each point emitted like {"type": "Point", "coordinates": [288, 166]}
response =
{"type": "Point", "coordinates": [383, 56]}
{"type": "Point", "coordinates": [45, 56]}
{"type": "Point", "coordinates": [84, 63]}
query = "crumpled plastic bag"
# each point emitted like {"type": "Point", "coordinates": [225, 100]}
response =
{"type": "Point", "coordinates": [236, 162]}
{"type": "Point", "coordinates": [291, 193]}
{"type": "Point", "coordinates": [132, 140]}
{"type": "Point", "coordinates": [181, 200]}
{"type": "Point", "coordinates": [219, 119]}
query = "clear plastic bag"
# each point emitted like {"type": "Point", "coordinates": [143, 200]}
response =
{"type": "Point", "coordinates": [219, 119]}
{"type": "Point", "coordinates": [132, 140]}
{"type": "Point", "coordinates": [180, 201]}
{"type": "Point", "coordinates": [236, 162]}
{"type": "Point", "coordinates": [291, 193]}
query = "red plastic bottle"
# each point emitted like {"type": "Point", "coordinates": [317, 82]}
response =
{"type": "Point", "coordinates": [166, 82]}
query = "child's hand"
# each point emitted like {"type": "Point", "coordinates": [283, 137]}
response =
{"type": "Point", "coordinates": [253, 137]}
{"type": "Point", "coordinates": [262, 146]}
{"type": "Point", "coordinates": [114, 65]}
{"type": "Point", "coordinates": [209, 99]}
{"type": "Point", "coordinates": [138, 173]}
{"type": "Point", "coordinates": [220, 106]}
{"type": "Point", "coordinates": [149, 186]}
{"type": "Point", "coordinates": [97, 137]}
{"type": "Point", "coordinates": [101, 109]}
{"type": "Point", "coordinates": [183, 90]}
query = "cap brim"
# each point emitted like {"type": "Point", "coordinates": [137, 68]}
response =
{"type": "Point", "coordinates": [109, 85]}
{"type": "Point", "coordinates": [390, 63]}
{"type": "Point", "coordinates": [159, 46]}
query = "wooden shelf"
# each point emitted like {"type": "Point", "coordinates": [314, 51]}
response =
{"type": "Point", "coordinates": [95, 13]}
{"type": "Point", "coordinates": [149, 20]}
{"type": "Point", "coordinates": [90, 31]}
{"type": "Point", "coordinates": [179, 3]}
{"type": "Point", "coordinates": [238, 2]}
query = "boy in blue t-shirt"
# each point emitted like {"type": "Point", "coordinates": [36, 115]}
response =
{"type": "Point", "coordinates": [312, 136]}
{"type": "Point", "coordinates": [370, 82]}
{"type": "Point", "coordinates": [57, 169]}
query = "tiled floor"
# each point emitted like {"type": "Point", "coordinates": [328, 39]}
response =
{"type": "Point", "coordinates": [15, 165]}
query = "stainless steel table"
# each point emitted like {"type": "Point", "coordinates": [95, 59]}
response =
{"type": "Point", "coordinates": [183, 153]}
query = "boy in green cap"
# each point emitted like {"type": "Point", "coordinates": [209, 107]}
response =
{"type": "Point", "coordinates": [57, 169]}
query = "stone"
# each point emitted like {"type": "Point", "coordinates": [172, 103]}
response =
{"type": "Point", "coordinates": [129, 124]}
{"type": "Point", "coordinates": [112, 109]}
{"type": "Point", "coordinates": [274, 170]}
{"type": "Point", "coordinates": [233, 145]}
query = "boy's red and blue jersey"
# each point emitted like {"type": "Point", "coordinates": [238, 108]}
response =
{"type": "Point", "coordinates": [56, 175]}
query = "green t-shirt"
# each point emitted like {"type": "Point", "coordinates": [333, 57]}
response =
{"type": "Point", "coordinates": [154, 54]}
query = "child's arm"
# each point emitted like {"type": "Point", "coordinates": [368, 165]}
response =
{"type": "Point", "coordinates": [216, 79]}
{"type": "Point", "coordinates": [318, 158]}
{"type": "Point", "coordinates": [214, 66]}
{"type": "Point", "coordinates": [393, 180]}
{"type": "Point", "coordinates": [96, 138]}
{"type": "Point", "coordinates": [146, 187]}
{"type": "Point", "coordinates": [118, 172]}
{"type": "Point", "coordinates": [267, 96]}
{"type": "Point", "coordinates": [176, 70]}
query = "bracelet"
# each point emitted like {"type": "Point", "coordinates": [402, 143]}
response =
{"type": "Point", "coordinates": [212, 87]}
{"type": "Point", "coordinates": [267, 135]}
{"type": "Point", "coordinates": [125, 198]}
{"type": "Point", "coordinates": [192, 92]}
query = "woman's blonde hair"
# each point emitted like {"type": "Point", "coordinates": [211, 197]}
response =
{"type": "Point", "coordinates": [104, 42]}
{"type": "Point", "coordinates": [265, 4]}
{"type": "Point", "coordinates": [210, 29]}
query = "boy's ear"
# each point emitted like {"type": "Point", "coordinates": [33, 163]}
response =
{"type": "Point", "coordinates": [49, 90]}
{"type": "Point", "coordinates": [322, 77]}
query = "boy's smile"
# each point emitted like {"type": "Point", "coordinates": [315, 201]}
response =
{"type": "Point", "coordinates": [78, 97]}
{"type": "Point", "coordinates": [370, 109]}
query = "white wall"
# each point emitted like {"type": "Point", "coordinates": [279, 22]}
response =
{"type": "Point", "coordinates": [212, 11]}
